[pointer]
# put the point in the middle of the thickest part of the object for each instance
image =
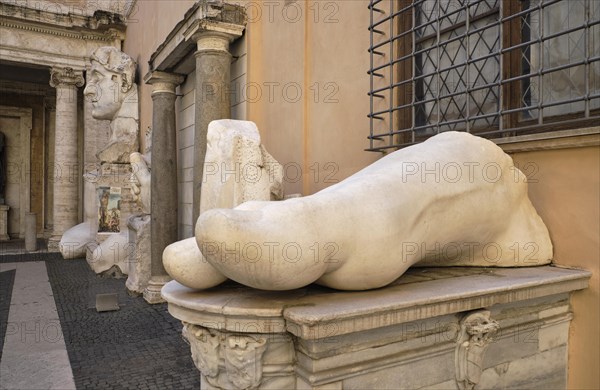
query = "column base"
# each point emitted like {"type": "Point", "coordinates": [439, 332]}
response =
{"type": "Point", "coordinates": [152, 293]}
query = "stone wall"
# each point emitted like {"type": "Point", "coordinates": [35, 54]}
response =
{"type": "Point", "coordinates": [185, 108]}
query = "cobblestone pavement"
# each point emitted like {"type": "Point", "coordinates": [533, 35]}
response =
{"type": "Point", "coordinates": [137, 347]}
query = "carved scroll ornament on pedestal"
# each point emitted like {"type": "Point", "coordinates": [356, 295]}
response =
{"type": "Point", "coordinates": [476, 333]}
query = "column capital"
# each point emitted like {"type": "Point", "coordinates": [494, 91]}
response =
{"type": "Point", "coordinates": [215, 36]}
{"type": "Point", "coordinates": [66, 76]}
{"type": "Point", "coordinates": [163, 82]}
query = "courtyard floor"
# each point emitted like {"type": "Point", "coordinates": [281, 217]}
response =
{"type": "Point", "coordinates": [52, 337]}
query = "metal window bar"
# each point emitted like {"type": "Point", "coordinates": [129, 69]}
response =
{"type": "Point", "coordinates": [408, 107]}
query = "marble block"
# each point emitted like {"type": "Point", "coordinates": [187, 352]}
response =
{"type": "Point", "coordinates": [139, 266]}
{"type": "Point", "coordinates": [441, 328]}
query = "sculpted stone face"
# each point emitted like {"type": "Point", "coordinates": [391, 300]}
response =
{"type": "Point", "coordinates": [103, 91]}
{"type": "Point", "coordinates": [109, 81]}
{"type": "Point", "coordinates": [112, 92]}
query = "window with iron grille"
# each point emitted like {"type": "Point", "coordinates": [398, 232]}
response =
{"type": "Point", "coordinates": [489, 67]}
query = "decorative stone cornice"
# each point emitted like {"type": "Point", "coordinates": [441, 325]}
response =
{"type": "Point", "coordinates": [163, 82]}
{"type": "Point", "coordinates": [25, 32]}
{"type": "Point", "coordinates": [56, 32]}
{"type": "Point", "coordinates": [66, 76]}
{"type": "Point", "coordinates": [57, 23]}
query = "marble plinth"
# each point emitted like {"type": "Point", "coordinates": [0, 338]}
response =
{"type": "Point", "coordinates": [435, 328]}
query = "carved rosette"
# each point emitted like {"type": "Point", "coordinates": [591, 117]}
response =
{"type": "Point", "coordinates": [66, 76]}
{"type": "Point", "coordinates": [477, 330]}
{"type": "Point", "coordinates": [227, 360]}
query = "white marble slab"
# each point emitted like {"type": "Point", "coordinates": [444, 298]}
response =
{"type": "Point", "coordinates": [34, 354]}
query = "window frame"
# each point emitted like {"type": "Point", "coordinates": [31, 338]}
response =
{"type": "Point", "coordinates": [401, 129]}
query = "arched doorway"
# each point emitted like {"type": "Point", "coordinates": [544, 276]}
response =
{"type": "Point", "coordinates": [15, 124]}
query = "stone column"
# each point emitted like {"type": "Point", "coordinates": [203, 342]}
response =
{"type": "Point", "coordinates": [66, 171]}
{"type": "Point", "coordinates": [163, 177]}
{"type": "Point", "coordinates": [213, 69]}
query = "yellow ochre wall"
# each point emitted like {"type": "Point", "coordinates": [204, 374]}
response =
{"type": "Point", "coordinates": [322, 52]}
{"type": "Point", "coordinates": [147, 27]}
{"type": "Point", "coordinates": [319, 49]}
{"type": "Point", "coordinates": [565, 189]}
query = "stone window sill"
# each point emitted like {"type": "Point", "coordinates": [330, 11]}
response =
{"type": "Point", "coordinates": [589, 136]}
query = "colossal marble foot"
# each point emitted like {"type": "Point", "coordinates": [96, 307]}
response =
{"type": "Point", "coordinates": [237, 169]}
{"type": "Point", "coordinates": [184, 260]}
{"type": "Point", "coordinates": [455, 199]}
{"type": "Point", "coordinates": [112, 254]}
{"type": "Point", "coordinates": [75, 240]}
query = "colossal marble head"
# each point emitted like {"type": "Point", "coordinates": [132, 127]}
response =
{"type": "Point", "coordinates": [109, 81]}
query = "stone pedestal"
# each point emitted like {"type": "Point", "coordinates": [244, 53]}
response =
{"type": "Point", "coordinates": [30, 232]}
{"type": "Point", "coordinates": [66, 166]}
{"type": "Point", "coordinates": [164, 177]}
{"type": "Point", "coordinates": [4, 223]}
{"type": "Point", "coordinates": [440, 328]}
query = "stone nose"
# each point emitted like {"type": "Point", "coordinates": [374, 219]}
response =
{"type": "Point", "coordinates": [90, 90]}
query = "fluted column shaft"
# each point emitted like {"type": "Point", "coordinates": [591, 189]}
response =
{"type": "Point", "coordinates": [66, 171]}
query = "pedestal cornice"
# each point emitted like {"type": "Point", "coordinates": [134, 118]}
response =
{"type": "Point", "coordinates": [419, 294]}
